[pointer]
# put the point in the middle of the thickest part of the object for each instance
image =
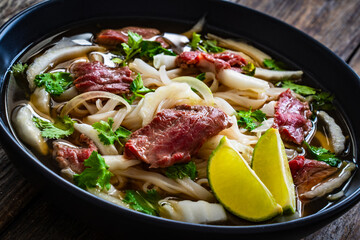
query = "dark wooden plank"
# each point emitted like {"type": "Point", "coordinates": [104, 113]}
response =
{"type": "Point", "coordinates": [333, 23]}
{"type": "Point", "coordinates": [15, 191]}
{"type": "Point", "coordinates": [9, 8]}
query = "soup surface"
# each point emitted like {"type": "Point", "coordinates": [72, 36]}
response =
{"type": "Point", "coordinates": [146, 118]}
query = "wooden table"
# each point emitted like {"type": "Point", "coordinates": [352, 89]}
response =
{"type": "Point", "coordinates": [26, 213]}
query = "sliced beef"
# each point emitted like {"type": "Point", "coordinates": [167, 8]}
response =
{"type": "Point", "coordinates": [309, 173]}
{"type": "Point", "coordinates": [95, 76]}
{"type": "Point", "coordinates": [292, 118]}
{"type": "Point", "coordinates": [174, 135]}
{"type": "Point", "coordinates": [68, 155]}
{"type": "Point", "coordinates": [208, 62]}
{"type": "Point", "coordinates": [114, 37]}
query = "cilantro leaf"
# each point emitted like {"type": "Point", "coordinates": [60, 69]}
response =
{"type": "Point", "coordinates": [204, 45]}
{"type": "Point", "coordinates": [300, 89]}
{"type": "Point", "coordinates": [201, 76]}
{"type": "Point", "coordinates": [274, 65]}
{"type": "Point", "coordinates": [322, 154]}
{"type": "Point", "coordinates": [19, 69]}
{"type": "Point", "coordinates": [211, 46]}
{"type": "Point", "coordinates": [249, 69]}
{"type": "Point", "coordinates": [247, 119]}
{"type": "Point", "coordinates": [137, 47]}
{"type": "Point", "coordinates": [55, 83]}
{"type": "Point", "coordinates": [137, 88]}
{"type": "Point", "coordinates": [96, 173]}
{"type": "Point", "coordinates": [323, 101]}
{"type": "Point", "coordinates": [143, 202]}
{"type": "Point", "coordinates": [320, 100]}
{"type": "Point", "coordinates": [182, 170]}
{"type": "Point", "coordinates": [106, 135]}
{"type": "Point", "coordinates": [62, 127]}
{"type": "Point", "coordinates": [151, 48]}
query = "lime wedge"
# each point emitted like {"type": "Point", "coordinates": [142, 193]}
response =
{"type": "Point", "coordinates": [271, 165]}
{"type": "Point", "coordinates": [237, 187]}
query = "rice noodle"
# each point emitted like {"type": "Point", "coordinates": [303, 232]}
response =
{"type": "Point", "coordinates": [256, 54]}
{"type": "Point", "coordinates": [189, 188]}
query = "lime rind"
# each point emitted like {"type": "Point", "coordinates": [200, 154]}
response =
{"type": "Point", "coordinates": [254, 202]}
{"type": "Point", "coordinates": [275, 172]}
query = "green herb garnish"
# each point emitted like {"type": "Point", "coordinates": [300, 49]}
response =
{"type": "Point", "coordinates": [249, 69]}
{"type": "Point", "coordinates": [143, 202]}
{"type": "Point", "coordinates": [107, 136]}
{"type": "Point", "coordinates": [179, 171]}
{"type": "Point", "coordinates": [95, 174]}
{"type": "Point", "coordinates": [300, 89]}
{"type": "Point", "coordinates": [55, 83]}
{"type": "Point", "coordinates": [274, 65]}
{"type": "Point", "coordinates": [204, 45]}
{"type": "Point", "coordinates": [248, 119]}
{"type": "Point", "coordinates": [137, 47]}
{"type": "Point", "coordinates": [61, 128]}
{"type": "Point", "coordinates": [322, 154]}
{"type": "Point", "coordinates": [18, 70]}
{"type": "Point", "coordinates": [201, 76]}
{"type": "Point", "coordinates": [138, 89]}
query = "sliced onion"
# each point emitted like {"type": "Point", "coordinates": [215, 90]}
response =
{"type": "Point", "coordinates": [76, 101]}
{"type": "Point", "coordinates": [274, 75]}
{"type": "Point", "coordinates": [199, 86]}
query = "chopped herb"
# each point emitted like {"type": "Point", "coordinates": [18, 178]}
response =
{"type": "Point", "coordinates": [62, 127]}
{"type": "Point", "coordinates": [182, 170]}
{"type": "Point", "coordinates": [211, 46]}
{"type": "Point", "coordinates": [137, 88]}
{"type": "Point", "coordinates": [274, 65]}
{"type": "Point", "coordinates": [117, 60]}
{"type": "Point", "coordinates": [143, 202]}
{"type": "Point", "coordinates": [106, 135]}
{"type": "Point", "coordinates": [249, 69]}
{"type": "Point", "coordinates": [137, 47]}
{"type": "Point", "coordinates": [95, 174]}
{"type": "Point", "coordinates": [300, 89]}
{"type": "Point", "coordinates": [151, 48]}
{"type": "Point", "coordinates": [18, 70]}
{"type": "Point", "coordinates": [201, 76]}
{"type": "Point", "coordinates": [248, 119]}
{"type": "Point", "coordinates": [322, 154]}
{"type": "Point", "coordinates": [204, 45]}
{"type": "Point", "coordinates": [323, 101]}
{"type": "Point", "coordinates": [55, 83]}
{"type": "Point", "coordinates": [320, 100]}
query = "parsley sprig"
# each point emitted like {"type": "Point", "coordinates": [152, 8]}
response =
{"type": "Point", "coordinates": [95, 174]}
{"type": "Point", "coordinates": [204, 45]}
{"type": "Point", "coordinates": [322, 154]}
{"type": "Point", "coordinates": [320, 100]}
{"type": "Point", "coordinates": [181, 170]}
{"type": "Point", "coordinates": [62, 127]}
{"type": "Point", "coordinates": [137, 89]}
{"type": "Point", "coordinates": [54, 83]}
{"type": "Point", "coordinates": [250, 119]}
{"type": "Point", "coordinates": [107, 136]}
{"type": "Point", "coordinates": [137, 47]}
{"type": "Point", "coordinates": [143, 202]}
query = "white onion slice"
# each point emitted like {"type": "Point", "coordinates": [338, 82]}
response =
{"type": "Point", "coordinates": [76, 101]}
{"type": "Point", "coordinates": [199, 86]}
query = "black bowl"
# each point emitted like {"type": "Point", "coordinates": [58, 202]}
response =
{"type": "Point", "coordinates": [228, 19]}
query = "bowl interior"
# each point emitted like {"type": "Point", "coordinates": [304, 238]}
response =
{"type": "Point", "coordinates": [321, 67]}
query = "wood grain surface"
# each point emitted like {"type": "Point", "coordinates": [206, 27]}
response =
{"type": "Point", "coordinates": [27, 213]}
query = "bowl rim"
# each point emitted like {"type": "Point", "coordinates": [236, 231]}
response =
{"type": "Point", "coordinates": [335, 210]}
